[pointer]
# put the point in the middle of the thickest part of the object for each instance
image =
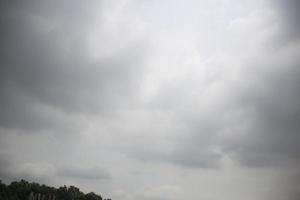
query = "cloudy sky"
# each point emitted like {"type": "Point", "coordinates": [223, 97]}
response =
{"type": "Point", "coordinates": [152, 99]}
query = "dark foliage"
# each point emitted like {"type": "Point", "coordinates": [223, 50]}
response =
{"type": "Point", "coordinates": [22, 190]}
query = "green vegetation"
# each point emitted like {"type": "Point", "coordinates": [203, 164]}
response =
{"type": "Point", "coordinates": [24, 190]}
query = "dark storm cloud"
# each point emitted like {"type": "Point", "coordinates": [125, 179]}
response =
{"type": "Point", "coordinates": [274, 130]}
{"type": "Point", "coordinates": [45, 63]}
{"type": "Point", "coordinates": [289, 12]}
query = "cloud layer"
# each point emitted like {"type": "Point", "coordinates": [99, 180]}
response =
{"type": "Point", "coordinates": [163, 95]}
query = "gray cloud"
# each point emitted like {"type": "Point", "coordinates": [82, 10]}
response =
{"type": "Point", "coordinates": [44, 172]}
{"type": "Point", "coordinates": [12, 170]}
{"type": "Point", "coordinates": [82, 173]}
{"type": "Point", "coordinates": [191, 152]}
{"type": "Point", "coordinates": [129, 92]}
{"type": "Point", "coordinates": [255, 120]}
{"type": "Point", "coordinates": [51, 68]}
{"type": "Point", "coordinates": [273, 130]}
{"type": "Point", "coordinates": [289, 14]}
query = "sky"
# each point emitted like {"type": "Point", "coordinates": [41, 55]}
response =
{"type": "Point", "coordinates": [152, 99]}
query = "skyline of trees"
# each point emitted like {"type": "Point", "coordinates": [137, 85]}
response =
{"type": "Point", "coordinates": [24, 190]}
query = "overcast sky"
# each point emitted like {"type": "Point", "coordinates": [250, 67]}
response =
{"type": "Point", "coordinates": [152, 99]}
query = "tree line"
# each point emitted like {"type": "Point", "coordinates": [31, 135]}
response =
{"type": "Point", "coordinates": [23, 190]}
